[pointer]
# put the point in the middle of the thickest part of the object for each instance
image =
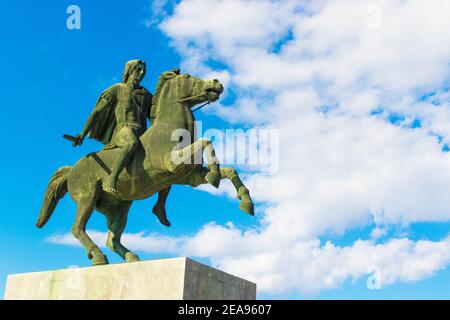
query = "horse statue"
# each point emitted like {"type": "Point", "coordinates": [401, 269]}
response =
{"type": "Point", "coordinates": [159, 162]}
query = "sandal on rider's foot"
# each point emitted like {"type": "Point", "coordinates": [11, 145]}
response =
{"type": "Point", "coordinates": [110, 190]}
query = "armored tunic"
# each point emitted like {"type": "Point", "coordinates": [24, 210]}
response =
{"type": "Point", "coordinates": [120, 106]}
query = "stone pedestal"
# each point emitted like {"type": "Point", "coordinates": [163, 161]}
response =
{"type": "Point", "coordinates": [171, 279]}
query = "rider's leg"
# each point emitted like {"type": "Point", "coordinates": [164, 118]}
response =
{"type": "Point", "coordinates": [127, 142]}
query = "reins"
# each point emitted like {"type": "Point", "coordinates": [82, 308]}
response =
{"type": "Point", "coordinates": [181, 101]}
{"type": "Point", "coordinates": [203, 105]}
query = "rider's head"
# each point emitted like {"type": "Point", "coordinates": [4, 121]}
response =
{"type": "Point", "coordinates": [134, 68]}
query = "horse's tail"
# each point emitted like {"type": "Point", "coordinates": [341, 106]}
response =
{"type": "Point", "coordinates": [56, 189]}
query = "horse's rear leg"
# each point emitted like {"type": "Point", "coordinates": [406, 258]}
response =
{"type": "Point", "coordinates": [117, 220]}
{"type": "Point", "coordinates": [159, 208]}
{"type": "Point", "coordinates": [85, 207]}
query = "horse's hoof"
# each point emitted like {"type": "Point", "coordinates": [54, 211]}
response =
{"type": "Point", "coordinates": [213, 178]}
{"type": "Point", "coordinates": [247, 207]}
{"type": "Point", "coordinates": [161, 214]}
{"type": "Point", "coordinates": [99, 260]}
{"type": "Point", "coordinates": [131, 257]}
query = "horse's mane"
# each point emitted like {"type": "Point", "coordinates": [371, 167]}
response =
{"type": "Point", "coordinates": [163, 77]}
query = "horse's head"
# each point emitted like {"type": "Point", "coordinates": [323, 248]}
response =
{"type": "Point", "coordinates": [183, 88]}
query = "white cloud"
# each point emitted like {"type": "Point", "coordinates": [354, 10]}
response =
{"type": "Point", "coordinates": [308, 267]}
{"type": "Point", "coordinates": [159, 11]}
{"type": "Point", "coordinates": [377, 233]}
{"type": "Point", "coordinates": [231, 21]}
{"type": "Point", "coordinates": [334, 59]}
{"type": "Point", "coordinates": [305, 266]}
{"type": "Point", "coordinates": [341, 168]}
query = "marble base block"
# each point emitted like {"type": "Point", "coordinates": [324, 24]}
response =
{"type": "Point", "coordinates": [163, 279]}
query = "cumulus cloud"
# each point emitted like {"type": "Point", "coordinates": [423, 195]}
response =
{"type": "Point", "coordinates": [344, 83]}
{"type": "Point", "coordinates": [310, 267]}
{"type": "Point", "coordinates": [305, 266]}
{"type": "Point", "coordinates": [359, 93]}
{"type": "Point", "coordinates": [335, 61]}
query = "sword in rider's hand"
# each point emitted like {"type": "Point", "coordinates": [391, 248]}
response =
{"type": "Point", "coordinates": [75, 140]}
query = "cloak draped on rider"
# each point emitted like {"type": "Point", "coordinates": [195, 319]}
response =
{"type": "Point", "coordinates": [103, 125]}
{"type": "Point", "coordinates": [102, 128]}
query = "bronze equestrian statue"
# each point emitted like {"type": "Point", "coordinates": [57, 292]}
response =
{"type": "Point", "coordinates": [151, 163]}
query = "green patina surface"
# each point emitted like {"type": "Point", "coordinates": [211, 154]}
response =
{"type": "Point", "coordinates": [137, 162]}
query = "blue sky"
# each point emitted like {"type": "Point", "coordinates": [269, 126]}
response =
{"type": "Point", "coordinates": [52, 77]}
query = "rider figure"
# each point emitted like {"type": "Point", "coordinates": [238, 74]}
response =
{"type": "Point", "coordinates": [118, 120]}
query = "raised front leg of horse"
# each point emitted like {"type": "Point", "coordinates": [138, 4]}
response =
{"type": "Point", "coordinates": [242, 192]}
{"type": "Point", "coordinates": [193, 154]}
{"type": "Point", "coordinates": [117, 219]}
{"type": "Point", "coordinates": [213, 176]}
{"type": "Point", "coordinates": [198, 177]}
{"type": "Point", "coordinates": [85, 207]}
